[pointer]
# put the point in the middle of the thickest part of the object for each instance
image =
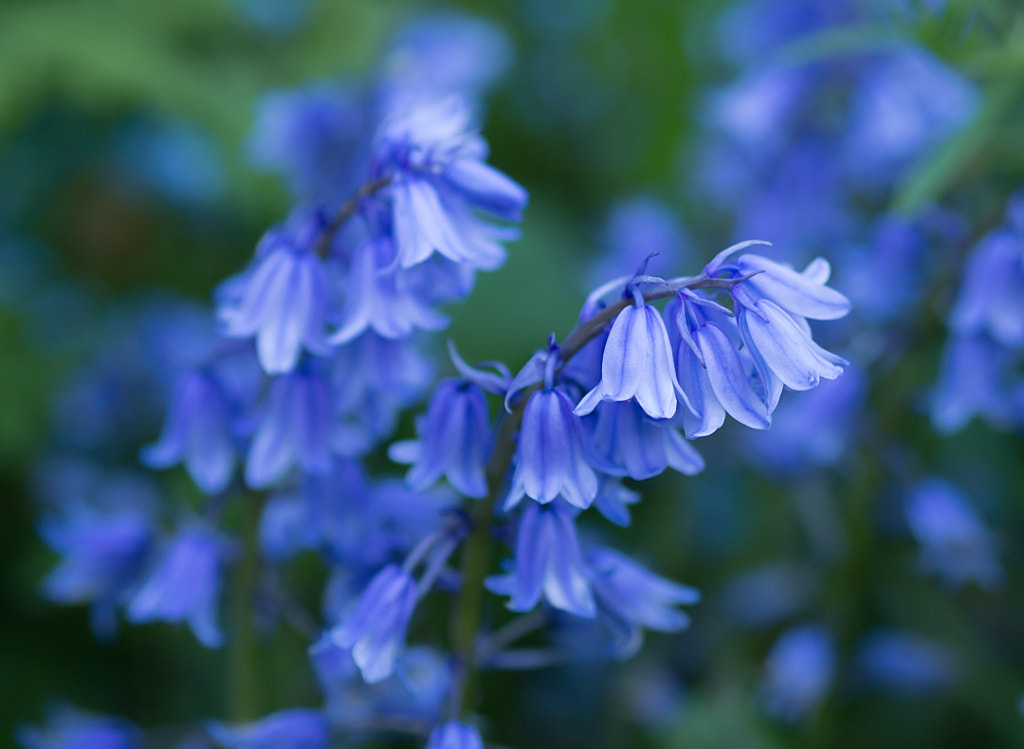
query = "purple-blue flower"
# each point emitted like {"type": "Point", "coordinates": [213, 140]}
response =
{"type": "Point", "coordinates": [184, 585]}
{"type": "Point", "coordinates": [551, 460]}
{"type": "Point", "coordinates": [295, 430]}
{"type": "Point", "coordinates": [197, 432]}
{"type": "Point", "coordinates": [972, 376]}
{"type": "Point", "coordinates": [630, 598]}
{"type": "Point", "coordinates": [68, 728]}
{"type": "Point", "coordinates": [282, 299]}
{"type": "Point", "coordinates": [637, 363]}
{"type": "Point", "coordinates": [955, 544]}
{"type": "Point", "coordinates": [991, 300]}
{"type": "Point", "coordinates": [455, 735]}
{"type": "Point", "coordinates": [547, 563]}
{"type": "Point", "coordinates": [297, 728]}
{"type": "Point", "coordinates": [439, 184]}
{"type": "Point", "coordinates": [454, 440]}
{"type": "Point", "coordinates": [375, 628]}
{"type": "Point", "coordinates": [904, 663]}
{"type": "Point", "coordinates": [798, 672]}
{"type": "Point", "coordinates": [624, 436]}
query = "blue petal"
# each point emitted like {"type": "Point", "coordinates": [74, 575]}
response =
{"type": "Point", "coordinates": [795, 292]}
{"type": "Point", "coordinates": [729, 379]}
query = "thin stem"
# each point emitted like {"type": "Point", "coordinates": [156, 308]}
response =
{"type": "Point", "coordinates": [515, 630]}
{"type": "Point", "coordinates": [243, 683]}
{"type": "Point", "coordinates": [346, 210]}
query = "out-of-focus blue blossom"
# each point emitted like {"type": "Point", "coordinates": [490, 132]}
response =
{"type": "Point", "coordinates": [416, 691]}
{"type": "Point", "coordinates": [455, 735]}
{"type": "Point", "coordinates": [991, 300]}
{"type": "Point", "coordinates": [282, 299]}
{"type": "Point", "coordinates": [904, 663]}
{"type": "Point", "coordinates": [972, 377]}
{"type": "Point", "coordinates": [547, 563]}
{"type": "Point", "coordinates": [798, 672]}
{"type": "Point", "coordinates": [641, 446]}
{"type": "Point", "coordinates": [552, 460]}
{"type": "Point", "coordinates": [613, 501]}
{"type": "Point", "coordinates": [295, 430]}
{"type": "Point", "coordinates": [955, 544]}
{"type": "Point", "coordinates": [372, 379]}
{"type": "Point", "coordinates": [905, 103]}
{"type": "Point", "coordinates": [631, 599]}
{"type": "Point", "coordinates": [454, 440]}
{"type": "Point", "coordinates": [379, 297]}
{"type": "Point", "coordinates": [816, 429]}
{"type": "Point", "coordinates": [444, 53]}
{"type": "Point", "coordinates": [637, 363]}
{"type": "Point", "coordinates": [296, 728]}
{"type": "Point", "coordinates": [439, 184]}
{"type": "Point", "coordinates": [896, 249]}
{"type": "Point", "coordinates": [103, 552]}
{"type": "Point", "coordinates": [184, 584]}
{"type": "Point", "coordinates": [274, 16]}
{"type": "Point", "coordinates": [749, 31]}
{"type": "Point", "coordinates": [756, 112]}
{"type": "Point", "coordinates": [175, 159]}
{"type": "Point", "coordinates": [68, 728]}
{"type": "Point", "coordinates": [636, 228]}
{"type": "Point", "coordinates": [375, 629]}
{"type": "Point", "coordinates": [768, 594]}
{"type": "Point", "coordinates": [198, 433]}
{"type": "Point", "coordinates": [312, 137]}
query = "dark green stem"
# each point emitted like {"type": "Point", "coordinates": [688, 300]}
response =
{"type": "Point", "coordinates": [243, 698]}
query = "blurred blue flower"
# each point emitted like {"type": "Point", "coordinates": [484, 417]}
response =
{"type": "Point", "coordinates": [184, 584]}
{"type": "Point", "coordinates": [991, 299]}
{"type": "Point", "coordinates": [972, 382]}
{"type": "Point", "coordinates": [630, 598]}
{"type": "Point", "coordinates": [295, 430]}
{"type": "Point", "coordinates": [455, 439]}
{"type": "Point", "coordinates": [904, 663]}
{"type": "Point", "coordinates": [375, 628]}
{"type": "Point", "coordinates": [642, 447]}
{"type": "Point", "coordinates": [454, 735]}
{"type": "Point", "coordinates": [636, 228]}
{"type": "Point", "coordinates": [798, 672]}
{"type": "Point", "coordinates": [955, 544]}
{"type": "Point", "coordinates": [296, 728]}
{"type": "Point", "coordinates": [547, 563]}
{"type": "Point", "coordinates": [768, 594]}
{"type": "Point", "coordinates": [282, 299]}
{"type": "Point", "coordinates": [68, 728]}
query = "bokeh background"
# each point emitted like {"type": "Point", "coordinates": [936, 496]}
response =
{"type": "Point", "coordinates": [883, 134]}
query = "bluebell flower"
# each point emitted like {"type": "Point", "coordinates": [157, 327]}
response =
{"type": "Point", "coordinates": [817, 429]}
{"type": "Point", "coordinates": [295, 430]}
{"type": "Point", "coordinates": [443, 53]}
{"type": "Point", "coordinates": [454, 440]}
{"type": "Point", "coordinates": [905, 103]}
{"type": "Point", "coordinates": [718, 376]}
{"type": "Point", "coordinates": [184, 585]}
{"type": "Point", "coordinates": [72, 729]}
{"type": "Point", "coordinates": [798, 672]}
{"type": "Point", "coordinates": [637, 363]}
{"type": "Point", "coordinates": [103, 552]}
{"type": "Point", "coordinates": [297, 728]}
{"type": "Point", "coordinates": [547, 563]}
{"type": "Point", "coordinates": [904, 663]}
{"type": "Point", "coordinates": [312, 137]}
{"type": "Point", "coordinates": [758, 110]}
{"type": "Point", "coordinates": [439, 184]}
{"type": "Point", "coordinates": [375, 628]}
{"type": "Point", "coordinates": [955, 544]}
{"type": "Point", "coordinates": [613, 500]}
{"type": "Point", "coordinates": [282, 299]}
{"type": "Point", "coordinates": [197, 432]}
{"type": "Point", "coordinates": [383, 298]}
{"type": "Point", "coordinates": [372, 379]}
{"type": "Point", "coordinates": [972, 376]}
{"type": "Point", "coordinates": [624, 436]}
{"type": "Point", "coordinates": [551, 460]}
{"type": "Point", "coordinates": [991, 299]}
{"type": "Point", "coordinates": [630, 598]}
{"type": "Point", "coordinates": [455, 735]}
{"type": "Point", "coordinates": [768, 594]}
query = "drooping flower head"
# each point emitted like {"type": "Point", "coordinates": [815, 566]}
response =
{"type": "Point", "coordinates": [455, 735]}
{"type": "Point", "coordinates": [297, 728]}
